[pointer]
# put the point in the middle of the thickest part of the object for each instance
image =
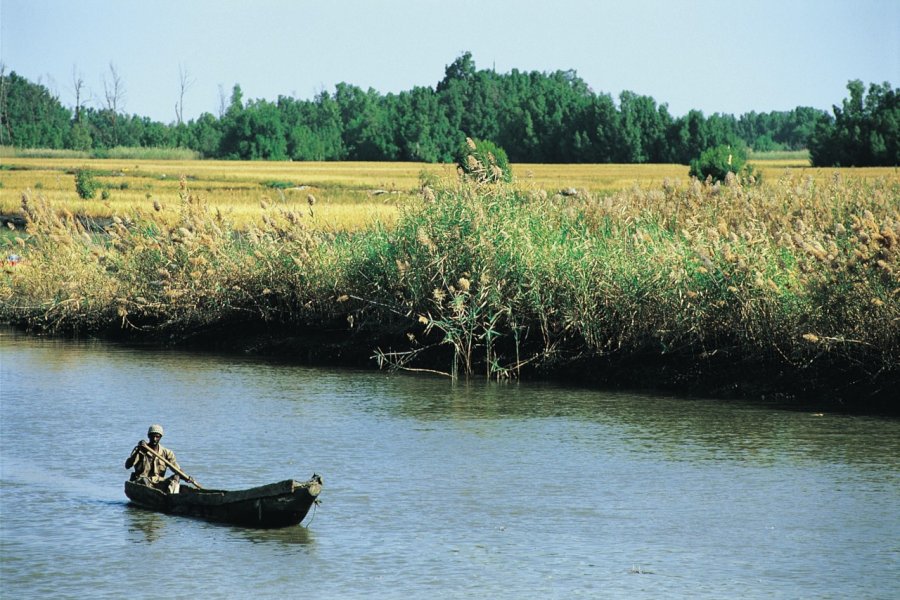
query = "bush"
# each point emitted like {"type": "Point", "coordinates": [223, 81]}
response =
{"type": "Point", "coordinates": [85, 184]}
{"type": "Point", "coordinates": [718, 161]}
{"type": "Point", "coordinates": [279, 185]}
{"type": "Point", "coordinates": [484, 161]}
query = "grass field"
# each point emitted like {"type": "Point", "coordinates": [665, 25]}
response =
{"type": "Point", "coordinates": [347, 195]}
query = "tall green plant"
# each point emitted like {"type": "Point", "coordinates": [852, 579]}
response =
{"type": "Point", "coordinates": [719, 161]}
{"type": "Point", "coordinates": [85, 184]}
{"type": "Point", "coordinates": [483, 160]}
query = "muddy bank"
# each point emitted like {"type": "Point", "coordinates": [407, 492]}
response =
{"type": "Point", "coordinates": [827, 385]}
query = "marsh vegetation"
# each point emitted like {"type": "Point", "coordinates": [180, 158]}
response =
{"type": "Point", "coordinates": [697, 282]}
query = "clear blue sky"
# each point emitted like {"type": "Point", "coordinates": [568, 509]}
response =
{"type": "Point", "coordinates": [717, 56]}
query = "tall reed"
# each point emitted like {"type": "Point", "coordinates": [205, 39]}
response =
{"type": "Point", "coordinates": [493, 279]}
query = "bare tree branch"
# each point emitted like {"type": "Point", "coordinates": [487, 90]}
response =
{"type": "Point", "coordinates": [78, 88]}
{"type": "Point", "coordinates": [223, 103]}
{"type": "Point", "coordinates": [114, 90]}
{"type": "Point", "coordinates": [185, 82]}
{"type": "Point", "coordinates": [114, 93]}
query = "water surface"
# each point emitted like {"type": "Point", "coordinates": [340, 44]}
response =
{"type": "Point", "coordinates": [432, 489]}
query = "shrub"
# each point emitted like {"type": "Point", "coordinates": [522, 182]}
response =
{"type": "Point", "coordinates": [717, 162]}
{"type": "Point", "coordinates": [279, 185]}
{"type": "Point", "coordinates": [85, 184]}
{"type": "Point", "coordinates": [484, 161]}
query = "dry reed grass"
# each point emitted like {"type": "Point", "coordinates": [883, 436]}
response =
{"type": "Point", "coordinates": [803, 270]}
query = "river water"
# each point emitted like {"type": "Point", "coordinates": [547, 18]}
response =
{"type": "Point", "coordinates": [432, 489]}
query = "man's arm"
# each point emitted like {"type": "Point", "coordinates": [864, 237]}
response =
{"type": "Point", "coordinates": [135, 454]}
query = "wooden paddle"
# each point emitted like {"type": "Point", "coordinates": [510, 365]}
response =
{"type": "Point", "coordinates": [144, 447]}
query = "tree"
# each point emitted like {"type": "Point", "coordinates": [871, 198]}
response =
{"type": "Point", "coordinates": [422, 131]}
{"type": "Point", "coordinates": [599, 131]}
{"type": "Point", "coordinates": [313, 128]}
{"type": "Point", "coordinates": [79, 137]}
{"type": "Point", "coordinates": [865, 131]}
{"type": "Point", "coordinates": [185, 81]}
{"type": "Point", "coordinates": [536, 117]}
{"type": "Point", "coordinates": [778, 130]}
{"type": "Point", "coordinates": [254, 132]}
{"type": "Point", "coordinates": [205, 136]}
{"type": "Point", "coordinates": [114, 96]}
{"type": "Point", "coordinates": [153, 134]}
{"type": "Point", "coordinates": [644, 128]}
{"type": "Point", "coordinates": [517, 130]}
{"type": "Point", "coordinates": [557, 100]}
{"type": "Point", "coordinates": [688, 137]}
{"type": "Point", "coordinates": [326, 122]}
{"type": "Point", "coordinates": [368, 130]}
{"type": "Point", "coordinates": [228, 119]}
{"type": "Point", "coordinates": [30, 116]}
{"type": "Point", "coordinates": [222, 105]}
{"type": "Point", "coordinates": [798, 126]}
{"type": "Point", "coordinates": [78, 90]}
{"type": "Point", "coordinates": [454, 92]}
{"type": "Point", "coordinates": [460, 70]}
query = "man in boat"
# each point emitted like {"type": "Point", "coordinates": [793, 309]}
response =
{"type": "Point", "coordinates": [150, 470]}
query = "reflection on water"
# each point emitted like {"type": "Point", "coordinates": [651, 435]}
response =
{"type": "Point", "coordinates": [433, 489]}
{"type": "Point", "coordinates": [301, 536]}
{"type": "Point", "coordinates": [688, 428]}
{"type": "Point", "coordinates": [145, 525]}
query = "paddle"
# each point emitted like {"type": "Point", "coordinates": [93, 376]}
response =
{"type": "Point", "coordinates": [144, 447]}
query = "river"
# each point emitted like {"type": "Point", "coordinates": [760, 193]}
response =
{"type": "Point", "coordinates": [432, 489]}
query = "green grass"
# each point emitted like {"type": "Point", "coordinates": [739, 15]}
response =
{"type": "Point", "coordinates": [791, 155]}
{"type": "Point", "coordinates": [13, 152]}
{"type": "Point", "coordinates": [140, 153]}
{"type": "Point", "coordinates": [119, 152]}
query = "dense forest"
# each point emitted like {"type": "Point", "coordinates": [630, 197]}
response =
{"type": "Point", "coordinates": [536, 117]}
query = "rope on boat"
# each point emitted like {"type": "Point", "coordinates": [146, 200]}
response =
{"type": "Point", "coordinates": [313, 517]}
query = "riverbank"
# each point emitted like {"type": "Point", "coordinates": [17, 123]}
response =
{"type": "Point", "coordinates": [788, 288]}
{"type": "Point", "coordinates": [821, 385]}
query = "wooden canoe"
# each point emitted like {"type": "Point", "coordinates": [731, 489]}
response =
{"type": "Point", "coordinates": [274, 505]}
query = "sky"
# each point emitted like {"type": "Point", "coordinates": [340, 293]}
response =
{"type": "Point", "coordinates": [725, 56]}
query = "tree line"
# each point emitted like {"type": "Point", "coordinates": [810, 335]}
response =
{"type": "Point", "coordinates": [536, 117]}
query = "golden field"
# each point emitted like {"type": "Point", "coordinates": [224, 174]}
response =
{"type": "Point", "coordinates": [346, 195]}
